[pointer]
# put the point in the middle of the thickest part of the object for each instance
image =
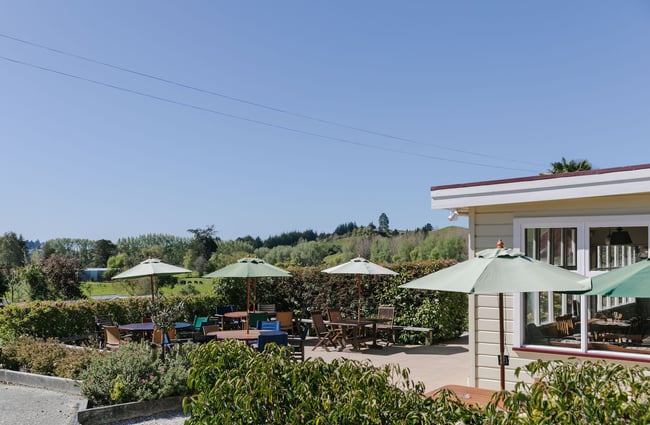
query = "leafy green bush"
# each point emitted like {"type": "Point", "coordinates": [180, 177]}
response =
{"type": "Point", "coordinates": [135, 372]}
{"type": "Point", "coordinates": [47, 357]}
{"type": "Point", "coordinates": [235, 385]}
{"type": "Point", "coordinates": [578, 392]}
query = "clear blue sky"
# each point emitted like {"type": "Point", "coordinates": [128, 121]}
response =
{"type": "Point", "coordinates": [303, 114]}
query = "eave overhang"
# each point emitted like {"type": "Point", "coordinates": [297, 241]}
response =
{"type": "Point", "coordinates": [584, 184]}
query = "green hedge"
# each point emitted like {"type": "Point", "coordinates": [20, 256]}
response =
{"type": "Point", "coordinates": [306, 290]}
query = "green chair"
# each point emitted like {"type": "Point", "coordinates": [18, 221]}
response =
{"type": "Point", "coordinates": [253, 318]}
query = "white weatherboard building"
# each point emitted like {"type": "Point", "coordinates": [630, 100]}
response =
{"type": "Point", "coordinates": [589, 222]}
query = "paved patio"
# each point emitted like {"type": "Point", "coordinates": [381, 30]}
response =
{"type": "Point", "coordinates": [435, 365]}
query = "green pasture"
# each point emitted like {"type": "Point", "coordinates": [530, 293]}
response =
{"type": "Point", "coordinates": [193, 286]}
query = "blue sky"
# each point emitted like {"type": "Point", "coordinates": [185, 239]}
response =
{"type": "Point", "coordinates": [302, 114]}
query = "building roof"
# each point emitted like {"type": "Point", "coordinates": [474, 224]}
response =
{"type": "Point", "coordinates": [547, 187]}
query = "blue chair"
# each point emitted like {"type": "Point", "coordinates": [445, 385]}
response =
{"type": "Point", "coordinates": [276, 337]}
{"type": "Point", "coordinates": [227, 323]}
{"type": "Point", "coordinates": [268, 325]}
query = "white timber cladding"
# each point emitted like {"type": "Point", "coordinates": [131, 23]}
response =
{"type": "Point", "coordinates": [489, 226]}
{"type": "Point", "coordinates": [490, 223]}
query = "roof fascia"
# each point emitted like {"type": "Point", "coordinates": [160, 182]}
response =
{"type": "Point", "coordinates": [536, 190]}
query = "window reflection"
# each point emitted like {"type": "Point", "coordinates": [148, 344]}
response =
{"type": "Point", "coordinates": [620, 324]}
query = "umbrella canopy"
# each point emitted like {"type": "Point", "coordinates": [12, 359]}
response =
{"type": "Point", "coordinates": [628, 281]}
{"type": "Point", "coordinates": [151, 267]}
{"type": "Point", "coordinates": [249, 268]}
{"type": "Point", "coordinates": [501, 270]}
{"type": "Point", "coordinates": [359, 266]}
{"type": "Point", "coordinates": [495, 271]}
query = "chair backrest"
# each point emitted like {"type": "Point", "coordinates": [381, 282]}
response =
{"type": "Point", "coordinates": [318, 322]}
{"type": "Point", "coordinates": [268, 325]}
{"type": "Point", "coordinates": [564, 325]}
{"type": "Point", "coordinates": [147, 319]}
{"type": "Point", "coordinates": [221, 310]}
{"type": "Point", "coordinates": [103, 320]}
{"type": "Point", "coordinates": [112, 336]}
{"type": "Point", "coordinates": [286, 320]}
{"type": "Point", "coordinates": [198, 322]}
{"type": "Point", "coordinates": [334, 315]}
{"type": "Point", "coordinates": [253, 318]}
{"type": "Point", "coordinates": [387, 313]}
{"type": "Point", "coordinates": [210, 328]}
{"type": "Point", "coordinates": [269, 308]}
{"type": "Point", "coordinates": [279, 338]}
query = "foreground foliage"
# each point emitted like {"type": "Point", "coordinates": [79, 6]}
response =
{"type": "Point", "coordinates": [136, 373]}
{"type": "Point", "coordinates": [236, 385]}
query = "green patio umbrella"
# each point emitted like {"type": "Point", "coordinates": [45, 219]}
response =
{"type": "Point", "coordinates": [628, 281]}
{"type": "Point", "coordinates": [151, 267]}
{"type": "Point", "coordinates": [359, 266]}
{"type": "Point", "coordinates": [495, 271]}
{"type": "Point", "coordinates": [249, 268]}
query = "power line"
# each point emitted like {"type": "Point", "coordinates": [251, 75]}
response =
{"type": "Point", "coordinates": [251, 120]}
{"type": "Point", "coordinates": [257, 104]}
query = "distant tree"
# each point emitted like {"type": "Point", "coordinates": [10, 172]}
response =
{"type": "Point", "coordinates": [571, 166]}
{"type": "Point", "coordinates": [102, 251]}
{"type": "Point", "coordinates": [202, 246]}
{"type": "Point", "coordinates": [13, 251]}
{"type": "Point", "coordinates": [33, 276]}
{"type": "Point", "coordinates": [345, 229]}
{"type": "Point", "coordinates": [62, 277]}
{"type": "Point", "coordinates": [4, 283]}
{"type": "Point", "coordinates": [254, 242]}
{"type": "Point", "coordinates": [383, 223]}
{"type": "Point", "coordinates": [428, 227]}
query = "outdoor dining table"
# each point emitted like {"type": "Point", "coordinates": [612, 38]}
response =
{"type": "Point", "coordinates": [149, 326]}
{"type": "Point", "coordinates": [479, 397]}
{"type": "Point", "coordinates": [239, 334]}
{"type": "Point", "coordinates": [353, 332]}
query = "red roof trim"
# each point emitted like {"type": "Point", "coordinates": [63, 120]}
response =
{"type": "Point", "coordinates": [543, 177]}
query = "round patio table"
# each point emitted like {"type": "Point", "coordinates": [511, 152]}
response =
{"type": "Point", "coordinates": [240, 334]}
{"type": "Point", "coordinates": [148, 326]}
{"type": "Point", "coordinates": [236, 314]}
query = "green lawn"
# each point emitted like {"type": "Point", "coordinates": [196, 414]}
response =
{"type": "Point", "coordinates": [197, 286]}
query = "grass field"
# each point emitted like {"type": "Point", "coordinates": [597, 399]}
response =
{"type": "Point", "coordinates": [142, 287]}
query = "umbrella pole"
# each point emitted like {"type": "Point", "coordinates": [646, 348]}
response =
{"type": "Point", "coordinates": [248, 300]}
{"type": "Point", "coordinates": [358, 299]}
{"type": "Point", "coordinates": [502, 345]}
{"type": "Point", "coordinates": [254, 294]}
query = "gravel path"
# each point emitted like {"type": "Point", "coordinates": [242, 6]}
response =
{"type": "Point", "coordinates": [20, 405]}
{"type": "Point", "coordinates": [161, 419]}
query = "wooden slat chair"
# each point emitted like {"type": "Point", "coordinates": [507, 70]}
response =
{"type": "Point", "coordinates": [297, 342]}
{"type": "Point", "coordinates": [286, 321]}
{"type": "Point", "coordinates": [112, 337]}
{"type": "Point", "coordinates": [326, 336]}
{"type": "Point", "coordinates": [343, 334]}
{"type": "Point", "coordinates": [387, 315]}
{"type": "Point", "coordinates": [268, 308]}
{"type": "Point", "coordinates": [102, 320]}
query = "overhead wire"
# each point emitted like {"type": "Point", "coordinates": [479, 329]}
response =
{"type": "Point", "coordinates": [261, 105]}
{"type": "Point", "coordinates": [251, 120]}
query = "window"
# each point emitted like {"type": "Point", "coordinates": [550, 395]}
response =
{"type": "Point", "coordinates": [590, 246]}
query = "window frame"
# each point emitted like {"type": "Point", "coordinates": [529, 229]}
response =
{"type": "Point", "coordinates": [583, 224]}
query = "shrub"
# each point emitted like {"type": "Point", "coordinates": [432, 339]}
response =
{"type": "Point", "coordinates": [236, 385]}
{"type": "Point", "coordinates": [47, 357]}
{"type": "Point", "coordinates": [578, 392]}
{"type": "Point", "coordinates": [135, 372]}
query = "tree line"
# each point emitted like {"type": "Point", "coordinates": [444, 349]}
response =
{"type": "Point", "coordinates": [52, 270]}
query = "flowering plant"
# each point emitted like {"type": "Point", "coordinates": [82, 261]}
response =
{"type": "Point", "coordinates": [164, 316]}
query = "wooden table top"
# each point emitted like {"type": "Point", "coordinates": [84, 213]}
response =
{"type": "Point", "coordinates": [468, 395]}
{"type": "Point", "coordinates": [239, 334]}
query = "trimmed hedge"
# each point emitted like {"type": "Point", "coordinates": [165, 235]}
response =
{"type": "Point", "coordinates": [307, 289]}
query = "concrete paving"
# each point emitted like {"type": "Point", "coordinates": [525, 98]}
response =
{"type": "Point", "coordinates": [435, 366]}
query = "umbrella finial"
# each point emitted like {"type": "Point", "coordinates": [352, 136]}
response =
{"type": "Point", "coordinates": [500, 243]}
